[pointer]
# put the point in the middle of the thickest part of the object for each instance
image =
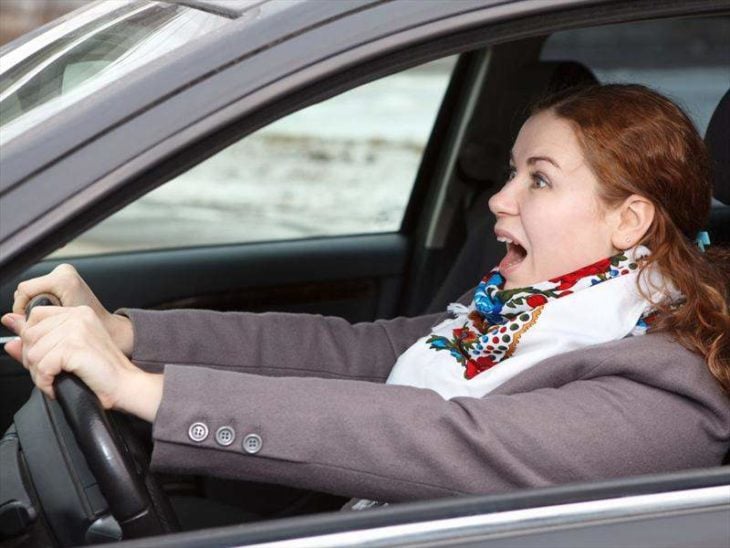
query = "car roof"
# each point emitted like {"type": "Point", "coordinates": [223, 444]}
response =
{"type": "Point", "coordinates": [229, 8]}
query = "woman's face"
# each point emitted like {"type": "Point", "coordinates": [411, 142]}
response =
{"type": "Point", "coordinates": [549, 207]}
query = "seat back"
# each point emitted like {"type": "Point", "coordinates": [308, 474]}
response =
{"type": "Point", "coordinates": [717, 139]}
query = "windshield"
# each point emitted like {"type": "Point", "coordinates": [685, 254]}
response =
{"type": "Point", "coordinates": [87, 52]}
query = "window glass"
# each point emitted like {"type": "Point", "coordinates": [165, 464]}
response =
{"type": "Point", "coordinates": [343, 166]}
{"type": "Point", "coordinates": [84, 54]}
{"type": "Point", "coordinates": [687, 60]}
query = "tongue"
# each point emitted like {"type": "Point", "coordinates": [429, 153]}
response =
{"type": "Point", "coordinates": [515, 254]}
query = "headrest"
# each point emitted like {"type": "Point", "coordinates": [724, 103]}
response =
{"type": "Point", "coordinates": [495, 125]}
{"type": "Point", "coordinates": [539, 80]}
{"type": "Point", "coordinates": [717, 139]}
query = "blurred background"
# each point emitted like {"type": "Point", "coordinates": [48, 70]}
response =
{"type": "Point", "coordinates": [20, 16]}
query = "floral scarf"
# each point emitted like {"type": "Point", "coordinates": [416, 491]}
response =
{"type": "Point", "coordinates": [463, 356]}
{"type": "Point", "coordinates": [521, 327]}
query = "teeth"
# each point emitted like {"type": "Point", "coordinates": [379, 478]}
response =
{"type": "Point", "coordinates": [503, 239]}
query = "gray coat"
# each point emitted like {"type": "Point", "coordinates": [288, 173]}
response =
{"type": "Point", "coordinates": [311, 388]}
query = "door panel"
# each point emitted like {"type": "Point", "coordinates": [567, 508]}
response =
{"type": "Point", "coordinates": [356, 277]}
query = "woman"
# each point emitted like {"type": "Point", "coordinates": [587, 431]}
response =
{"type": "Point", "coordinates": [542, 375]}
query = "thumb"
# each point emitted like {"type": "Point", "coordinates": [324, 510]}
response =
{"type": "Point", "coordinates": [14, 322]}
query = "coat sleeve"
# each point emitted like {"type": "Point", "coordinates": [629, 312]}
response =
{"type": "Point", "coordinates": [397, 443]}
{"type": "Point", "coordinates": [273, 343]}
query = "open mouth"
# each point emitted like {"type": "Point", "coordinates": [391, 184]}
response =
{"type": "Point", "coordinates": [515, 254]}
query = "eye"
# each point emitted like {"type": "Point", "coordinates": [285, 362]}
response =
{"type": "Point", "coordinates": [511, 172]}
{"type": "Point", "coordinates": [539, 181]}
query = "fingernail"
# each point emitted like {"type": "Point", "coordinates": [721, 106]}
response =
{"type": "Point", "coordinates": [8, 320]}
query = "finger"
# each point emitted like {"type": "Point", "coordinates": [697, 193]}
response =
{"type": "Point", "coordinates": [27, 290]}
{"type": "Point", "coordinates": [46, 371]}
{"type": "Point", "coordinates": [40, 313]}
{"type": "Point", "coordinates": [71, 322]}
{"type": "Point", "coordinates": [14, 349]}
{"type": "Point", "coordinates": [60, 277]}
{"type": "Point", "coordinates": [32, 333]}
{"type": "Point", "coordinates": [14, 322]}
{"type": "Point", "coordinates": [20, 300]}
{"type": "Point", "coordinates": [43, 341]}
{"type": "Point", "coordinates": [49, 393]}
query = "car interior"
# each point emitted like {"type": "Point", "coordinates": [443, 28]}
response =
{"type": "Point", "coordinates": [445, 245]}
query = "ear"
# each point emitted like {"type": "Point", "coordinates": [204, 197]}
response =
{"type": "Point", "coordinates": [632, 219]}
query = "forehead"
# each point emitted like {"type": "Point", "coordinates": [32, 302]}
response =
{"type": "Point", "coordinates": [544, 134]}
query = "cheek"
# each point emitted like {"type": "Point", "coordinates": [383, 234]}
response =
{"type": "Point", "coordinates": [564, 239]}
{"type": "Point", "coordinates": [551, 226]}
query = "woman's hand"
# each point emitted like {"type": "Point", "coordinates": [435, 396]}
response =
{"type": "Point", "coordinates": [65, 283]}
{"type": "Point", "coordinates": [73, 339]}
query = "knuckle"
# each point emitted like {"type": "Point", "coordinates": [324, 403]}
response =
{"type": "Point", "coordinates": [48, 369]}
{"type": "Point", "coordinates": [33, 356]}
{"type": "Point", "coordinates": [29, 336]}
{"type": "Point", "coordinates": [44, 381]}
{"type": "Point", "coordinates": [86, 313]}
{"type": "Point", "coordinates": [22, 288]}
{"type": "Point", "coordinates": [33, 316]}
{"type": "Point", "coordinates": [65, 268]}
{"type": "Point", "coordinates": [41, 369]}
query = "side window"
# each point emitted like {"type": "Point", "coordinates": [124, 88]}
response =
{"type": "Point", "coordinates": [686, 59]}
{"type": "Point", "coordinates": [343, 166]}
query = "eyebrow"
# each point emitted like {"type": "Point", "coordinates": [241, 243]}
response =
{"type": "Point", "coordinates": [534, 159]}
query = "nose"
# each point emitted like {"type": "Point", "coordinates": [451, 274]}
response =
{"type": "Point", "coordinates": [505, 202]}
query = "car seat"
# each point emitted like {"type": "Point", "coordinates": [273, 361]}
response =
{"type": "Point", "coordinates": [717, 139]}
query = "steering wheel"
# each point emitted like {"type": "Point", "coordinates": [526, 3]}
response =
{"type": "Point", "coordinates": [135, 498]}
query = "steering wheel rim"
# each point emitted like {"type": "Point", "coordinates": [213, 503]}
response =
{"type": "Point", "coordinates": [139, 505]}
{"type": "Point", "coordinates": [128, 496]}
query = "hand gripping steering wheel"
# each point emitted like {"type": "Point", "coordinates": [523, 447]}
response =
{"type": "Point", "coordinates": [135, 499]}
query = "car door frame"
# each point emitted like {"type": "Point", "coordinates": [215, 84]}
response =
{"type": "Point", "coordinates": [100, 169]}
{"type": "Point", "coordinates": [654, 511]}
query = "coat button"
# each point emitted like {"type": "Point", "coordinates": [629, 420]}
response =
{"type": "Point", "coordinates": [198, 431]}
{"type": "Point", "coordinates": [252, 443]}
{"type": "Point", "coordinates": [225, 435]}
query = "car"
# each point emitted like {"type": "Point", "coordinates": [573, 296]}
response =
{"type": "Point", "coordinates": [306, 156]}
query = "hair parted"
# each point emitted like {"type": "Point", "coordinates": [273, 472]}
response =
{"type": "Point", "coordinates": [639, 142]}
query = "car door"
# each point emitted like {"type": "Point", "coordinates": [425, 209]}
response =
{"type": "Point", "coordinates": [59, 179]}
{"type": "Point", "coordinates": [306, 215]}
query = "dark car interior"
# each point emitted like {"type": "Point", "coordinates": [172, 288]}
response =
{"type": "Point", "coordinates": [437, 256]}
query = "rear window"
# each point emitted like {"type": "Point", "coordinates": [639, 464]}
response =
{"type": "Point", "coordinates": [685, 59]}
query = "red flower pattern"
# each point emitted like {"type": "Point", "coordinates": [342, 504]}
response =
{"type": "Point", "coordinates": [536, 300]}
{"type": "Point", "coordinates": [475, 366]}
{"type": "Point", "coordinates": [569, 280]}
{"type": "Point", "coordinates": [465, 334]}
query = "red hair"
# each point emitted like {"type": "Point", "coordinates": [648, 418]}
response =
{"type": "Point", "coordinates": [639, 142]}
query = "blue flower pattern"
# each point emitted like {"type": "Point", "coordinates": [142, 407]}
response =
{"type": "Point", "coordinates": [486, 300]}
